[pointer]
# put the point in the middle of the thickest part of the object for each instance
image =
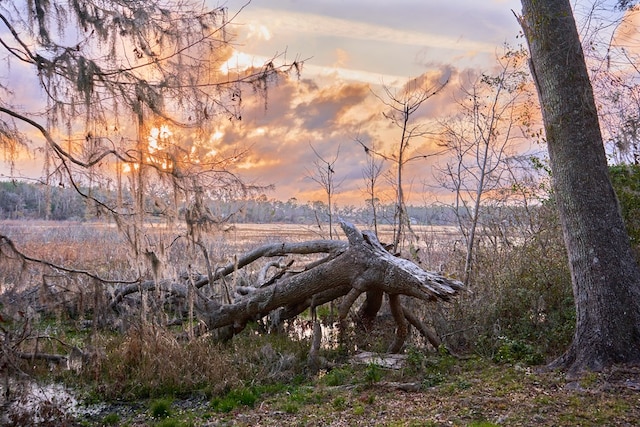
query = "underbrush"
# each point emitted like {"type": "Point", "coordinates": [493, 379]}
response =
{"type": "Point", "coordinates": [148, 361]}
{"type": "Point", "coordinates": [519, 303]}
{"type": "Point", "coordinates": [431, 388]}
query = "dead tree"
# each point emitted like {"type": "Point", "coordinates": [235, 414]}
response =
{"type": "Point", "coordinates": [360, 266]}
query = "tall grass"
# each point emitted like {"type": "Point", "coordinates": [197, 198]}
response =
{"type": "Point", "coordinates": [148, 361]}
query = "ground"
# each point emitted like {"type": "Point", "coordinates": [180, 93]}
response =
{"type": "Point", "coordinates": [471, 393]}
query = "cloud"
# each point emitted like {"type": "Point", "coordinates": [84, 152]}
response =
{"type": "Point", "coordinates": [329, 106]}
{"type": "Point", "coordinates": [301, 114]}
{"type": "Point", "coordinates": [326, 26]}
{"type": "Point", "coordinates": [258, 31]}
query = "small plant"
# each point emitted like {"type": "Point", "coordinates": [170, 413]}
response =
{"type": "Point", "coordinates": [223, 404]}
{"type": "Point", "coordinates": [111, 419]}
{"type": "Point", "coordinates": [335, 377]}
{"type": "Point", "coordinates": [432, 379]}
{"type": "Point", "coordinates": [373, 374]}
{"type": "Point", "coordinates": [291, 407]}
{"type": "Point", "coordinates": [233, 399]}
{"type": "Point", "coordinates": [358, 410]}
{"type": "Point", "coordinates": [589, 379]}
{"type": "Point", "coordinates": [160, 408]}
{"type": "Point", "coordinates": [415, 360]}
{"type": "Point", "coordinates": [513, 351]}
{"type": "Point", "coordinates": [339, 403]}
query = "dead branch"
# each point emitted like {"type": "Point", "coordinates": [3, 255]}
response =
{"type": "Point", "coordinates": [361, 267]}
{"type": "Point", "coordinates": [4, 240]}
{"type": "Point", "coordinates": [270, 250]}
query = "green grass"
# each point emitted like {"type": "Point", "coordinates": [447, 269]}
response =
{"type": "Point", "coordinates": [235, 398]}
{"type": "Point", "coordinates": [160, 408]}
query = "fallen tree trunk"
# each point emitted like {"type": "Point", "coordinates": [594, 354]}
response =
{"type": "Point", "coordinates": [272, 250]}
{"type": "Point", "coordinates": [350, 269]}
{"type": "Point", "coordinates": [363, 266]}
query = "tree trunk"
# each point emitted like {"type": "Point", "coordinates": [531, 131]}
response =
{"type": "Point", "coordinates": [605, 276]}
{"type": "Point", "coordinates": [364, 266]}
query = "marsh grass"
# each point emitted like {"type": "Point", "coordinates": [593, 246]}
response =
{"type": "Point", "coordinates": [518, 313]}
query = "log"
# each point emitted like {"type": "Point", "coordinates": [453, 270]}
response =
{"type": "Point", "coordinates": [362, 266]}
{"type": "Point", "coordinates": [270, 250]}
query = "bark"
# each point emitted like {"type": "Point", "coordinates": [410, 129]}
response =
{"type": "Point", "coordinates": [427, 333]}
{"type": "Point", "coordinates": [360, 266]}
{"type": "Point", "coordinates": [402, 329]}
{"type": "Point", "coordinates": [271, 250]}
{"type": "Point", "coordinates": [365, 265]}
{"type": "Point", "coordinates": [605, 276]}
{"type": "Point", "coordinates": [370, 308]}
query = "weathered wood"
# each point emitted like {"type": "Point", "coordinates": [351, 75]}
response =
{"type": "Point", "coordinates": [270, 250]}
{"type": "Point", "coordinates": [362, 265]}
{"type": "Point", "coordinates": [384, 360]}
{"type": "Point", "coordinates": [402, 329]}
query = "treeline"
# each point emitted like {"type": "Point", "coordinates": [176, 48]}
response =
{"type": "Point", "coordinates": [23, 200]}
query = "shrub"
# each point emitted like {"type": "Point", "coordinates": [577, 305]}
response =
{"type": "Point", "coordinates": [520, 288]}
{"type": "Point", "coordinates": [512, 351]}
{"type": "Point", "coordinates": [160, 408]}
{"type": "Point", "coordinates": [626, 183]}
{"type": "Point", "coordinates": [373, 374]}
{"type": "Point", "coordinates": [336, 377]}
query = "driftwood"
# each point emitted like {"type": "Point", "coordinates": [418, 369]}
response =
{"type": "Point", "coordinates": [360, 266]}
{"type": "Point", "coordinates": [387, 361]}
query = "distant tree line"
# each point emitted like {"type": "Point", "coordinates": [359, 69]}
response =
{"type": "Point", "coordinates": [23, 200]}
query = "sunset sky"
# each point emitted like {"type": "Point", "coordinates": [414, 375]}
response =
{"type": "Point", "coordinates": [350, 49]}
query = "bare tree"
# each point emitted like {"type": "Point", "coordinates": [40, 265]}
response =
{"type": "Point", "coordinates": [491, 111]}
{"type": "Point", "coordinates": [402, 107]}
{"type": "Point", "coordinates": [324, 175]}
{"type": "Point", "coordinates": [608, 36]}
{"type": "Point", "coordinates": [370, 175]}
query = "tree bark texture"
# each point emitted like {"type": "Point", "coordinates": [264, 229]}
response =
{"type": "Point", "coordinates": [360, 266]}
{"type": "Point", "coordinates": [605, 275]}
{"type": "Point", "coordinates": [364, 266]}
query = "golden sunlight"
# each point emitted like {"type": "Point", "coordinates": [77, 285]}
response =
{"type": "Point", "coordinates": [239, 61]}
{"type": "Point", "coordinates": [156, 136]}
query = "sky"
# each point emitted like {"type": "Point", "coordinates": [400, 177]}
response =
{"type": "Point", "coordinates": [350, 49]}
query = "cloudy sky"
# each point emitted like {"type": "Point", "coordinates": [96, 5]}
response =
{"type": "Point", "coordinates": [351, 48]}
